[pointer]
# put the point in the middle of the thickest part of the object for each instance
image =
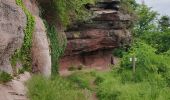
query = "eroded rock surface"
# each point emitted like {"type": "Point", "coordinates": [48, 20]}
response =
{"type": "Point", "coordinates": [40, 49]}
{"type": "Point", "coordinates": [41, 58]}
{"type": "Point", "coordinates": [12, 24]}
{"type": "Point", "coordinates": [15, 89]}
{"type": "Point", "coordinates": [91, 43]}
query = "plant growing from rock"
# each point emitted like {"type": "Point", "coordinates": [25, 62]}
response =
{"type": "Point", "coordinates": [24, 54]}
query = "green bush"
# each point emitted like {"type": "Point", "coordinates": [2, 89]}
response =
{"type": "Point", "coordinates": [148, 63]}
{"type": "Point", "coordinates": [57, 88]}
{"type": "Point", "coordinates": [149, 82]}
{"type": "Point", "coordinates": [5, 77]}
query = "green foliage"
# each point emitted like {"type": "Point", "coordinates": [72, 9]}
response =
{"type": "Point", "coordinates": [23, 54]}
{"type": "Point", "coordinates": [113, 89]}
{"type": "Point", "coordinates": [58, 44]}
{"type": "Point", "coordinates": [150, 81]}
{"type": "Point", "coordinates": [160, 41]}
{"type": "Point", "coordinates": [5, 77]}
{"type": "Point", "coordinates": [146, 20]}
{"type": "Point", "coordinates": [82, 79]}
{"type": "Point", "coordinates": [128, 7]}
{"type": "Point", "coordinates": [164, 23]}
{"type": "Point", "coordinates": [98, 80]}
{"type": "Point", "coordinates": [119, 52]}
{"type": "Point", "coordinates": [56, 88]}
{"type": "Point", "coordinates": [148, 63]}
{"type": "Point", "coordinates": [148, 26]}
{"type": "Point", "coordinates": [68, 10]}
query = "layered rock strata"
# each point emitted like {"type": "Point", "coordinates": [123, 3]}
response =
{"type": "Point", "coordinates": [91, 43]}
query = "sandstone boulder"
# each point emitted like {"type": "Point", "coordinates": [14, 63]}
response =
{"type": "Point", "coordinates": [40, 49]}
{"type": "Point", "coordinates": [12, 24]}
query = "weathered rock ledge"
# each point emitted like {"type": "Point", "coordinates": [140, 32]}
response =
{"type": "Point", "coordinates": [90, 44]}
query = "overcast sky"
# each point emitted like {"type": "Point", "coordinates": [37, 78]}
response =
{"type": "Point", "coordinates": [162, 6]}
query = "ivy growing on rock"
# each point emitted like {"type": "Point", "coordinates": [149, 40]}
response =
{"type": "Point", "coordinates": [58, 45]}
{"type": "Point", "coordinates": [23, 54]}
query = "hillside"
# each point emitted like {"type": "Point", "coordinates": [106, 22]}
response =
{"type": "Point", "coordinates": [83, 50]}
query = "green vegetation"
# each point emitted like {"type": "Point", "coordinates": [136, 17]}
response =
{"type": "Point", "coordinates": [56, 88]}
{"type": "Point", "coordinates": [58, 44]}
{"type": "Point", "coordinates": [4, 77]}
{"type": "Point", "coordinates": [24, 54]}
{"type": "Point", "coordinates": [151, 78]}
{"type": "Point", "coordinates": [83, 80]}
{"type": "Point", "coordinates": [128, 7]}
{"type": "Point", "coordinates": [149, 25]}
{"type": "Point", "coordinates": [66, 11]}
{"type": "Point", "coordinates": [150, 81]}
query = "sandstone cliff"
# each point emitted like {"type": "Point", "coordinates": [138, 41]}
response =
{"type": "Point", "coordinates": [14, 26]}
{"type": "Point", "coordinates": [41, 58]}
{"type": "Point", "coordinates": [91, 43]}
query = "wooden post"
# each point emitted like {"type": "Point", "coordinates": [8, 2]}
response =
{"type": "Point", "coordinates": [134, 64]}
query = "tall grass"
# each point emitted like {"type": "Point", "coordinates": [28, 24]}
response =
{"type": "Point", "coordinates": [56, 88]}
{"type": "Point", "coordinates": [149, 82]}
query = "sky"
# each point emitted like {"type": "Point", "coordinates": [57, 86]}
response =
{"type": "Point", "coordinates": [162, 6]}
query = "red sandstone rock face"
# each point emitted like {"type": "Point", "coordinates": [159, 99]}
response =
{"type": "Point", "coordinates": [96, 59]}
{"type": "Point", "coordinates": [89, 40]}
{"type": "Point", "coordinates": [91, 43]}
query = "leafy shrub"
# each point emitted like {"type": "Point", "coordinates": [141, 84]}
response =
{"type": "Point", "coordinates": [149, 82]}
{"type": "Point", "coordinates": [56, 88]}
{"type": "Point", "coordinates": [148, 64]}
{"type": "Point", "coordinates": [5, 77]}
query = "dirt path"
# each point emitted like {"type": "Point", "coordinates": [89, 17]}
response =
{"type": "Point", "coordinates": [15, 89]}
